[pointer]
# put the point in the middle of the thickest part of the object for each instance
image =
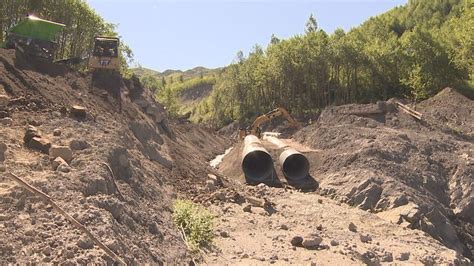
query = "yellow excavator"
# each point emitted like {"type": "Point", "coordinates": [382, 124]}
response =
{"type": "Point", "coordinates": [255, 128]}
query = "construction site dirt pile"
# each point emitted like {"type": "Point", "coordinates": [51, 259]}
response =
{"type": "Point", "coordinates": [419, 174]}
{"type": "Point", "coordinates": [148, 156]}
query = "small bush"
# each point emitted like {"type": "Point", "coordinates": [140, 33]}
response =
{"type": "Point", "coordinates": [196, 221]}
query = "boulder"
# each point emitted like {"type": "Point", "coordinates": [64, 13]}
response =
{"type": "Point", "coordinates": [30, 133]}
{"type": "Point", "coordinates": [247, 208]}
{"type": "Point", "coordinates": [6, 121]}
{"type": "Point", "coordinates": [352, 227]}
{"type": "Point", "coordinates": [85, 243]}
{"type": "Point", "coordinates": [65, 168]}
{"type": "Point", "coordinates": [57, 162]}
{"type": "Point", "coordinates": [78, 111]}
{"type": "Point", "coordinates": [57, 132]}
{"type": "Point", "coordinates": [296, 241]}
{"type": "Point", "coordinates": [61, 151]}
{"type": "Point", "coordinates": [78, 145]}
{"type": "Point", "coordinates": [39, 143]}
{"type": "Point", "coordinates": [404, 256]}
{"type": "Point", "coordinates": [4, 100]}
{"type": "Point", "coordinates": [365, 238]}
{"type": "Point", "coordinates": [312, 242]}
{"type": "Point", "coordinates": [210, 185]}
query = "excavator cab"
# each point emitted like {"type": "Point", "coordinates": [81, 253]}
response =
{"type": "Point", "coordinates": [256, 130]}
{"type": "Point", "coordinates": [105, 54]}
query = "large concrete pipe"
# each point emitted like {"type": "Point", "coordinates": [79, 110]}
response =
{"type": "Point", "coordinates": [257, 164]}
{"type": "Point", "coordinates": [295, 165]}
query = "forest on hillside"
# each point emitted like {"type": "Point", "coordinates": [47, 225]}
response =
{"type": "Point", "coordinates": [412, 51]}
{"type": "Point", "coordinates": [82, 24]}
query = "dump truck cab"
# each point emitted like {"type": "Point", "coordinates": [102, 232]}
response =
{"type": "Point", "coordinates": [105, 54]}
{"type": "Point", "coordinates": [34, 37]}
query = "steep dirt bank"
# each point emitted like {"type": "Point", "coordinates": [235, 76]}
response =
{"type": "Point", "coordinates": [415, 173]}
{"type": "Point", "coordinates": [149, 156]}
{"type": "Point", "coordinates": [404, 173]}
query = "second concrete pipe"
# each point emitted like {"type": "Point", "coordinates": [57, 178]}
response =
{"type": "Point", "coordinates": [294, 165]}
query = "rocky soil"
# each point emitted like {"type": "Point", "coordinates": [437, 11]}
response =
{"type": "Point", "coordinates": [310, 229]}
{"type": "Point", "coordinates": [383, 186]}
{"type": "Point", "coordinates": [410, 175]}
{"type": "Point", "coordinates": [149, 156]}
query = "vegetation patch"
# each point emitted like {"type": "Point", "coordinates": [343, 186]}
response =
{"type": "Point", "coordinates": [195, 222]}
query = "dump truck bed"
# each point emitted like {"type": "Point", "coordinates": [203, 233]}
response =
{"type": "Point", "coordinates": [37, 28]}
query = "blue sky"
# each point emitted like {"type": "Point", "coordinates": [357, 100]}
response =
{"type": "Point", "coordinates": [183, 34]}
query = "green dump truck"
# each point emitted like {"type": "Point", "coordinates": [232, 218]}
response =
{"type": "Point", "coordinates": [34, 37]}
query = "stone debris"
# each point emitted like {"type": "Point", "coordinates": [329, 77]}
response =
{"type": "Point", "coordinates": [297, 241]}
{"type": "Point", "coordinates": [404, 256]}
{"type": "Point", "coordinates": [210, 185]}
{"type": "Point", "coordinates": [65, 168]}
{"type": "Point", "coordinates": [57, 132]}
{"type": "Point", "coordinates": [283, 227]}
{"type": "Point", "coordinates": [247, 208]}
{"type": "Point", "coordinates": [78, 145]}
{"type": "Point", "coordinates": [40, 143]}
{"type": "Point", "coordinates": [365, 238]}
{"type": "Point", "coordinates": [57, 162]}
{"type": "Point", "coordinates": [6, 121]}
{"type": "Point", "coordinates": [61, 151]}
{"type": "Point", "coordinates": [30, 133]}
{"type": "Point", "coordinates": [387, 257]}
{"type": "Point", "coordinates": [85, 243]}
{"type": "Point", "coordinates": [312, 242]}
{"type": "Point", "coordinates": [4, 100]}
{"type": "Point", "coordinates": [79, 111]}
{"type": "Point", "coordinates": [352, 227]}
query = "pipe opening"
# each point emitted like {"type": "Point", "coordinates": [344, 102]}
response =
{"type": "Point", "coordinates": [257, 165]}
{"type": "Point", "coordinates": [296, 166]}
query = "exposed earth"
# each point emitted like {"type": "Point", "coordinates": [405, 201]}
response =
{"type": "Point", "coordinates": [383, 186]}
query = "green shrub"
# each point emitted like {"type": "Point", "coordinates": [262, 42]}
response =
{"type": "Point", "coordinates": [196, 221]}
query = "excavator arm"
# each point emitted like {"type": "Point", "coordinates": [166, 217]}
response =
{"type": "Point", "coordinates": [255, 128]}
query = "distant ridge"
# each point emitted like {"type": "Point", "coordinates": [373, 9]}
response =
{"type": "Point", "coordinates": [190, 73]}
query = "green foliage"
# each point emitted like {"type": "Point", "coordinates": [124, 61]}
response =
{"type": "Point", "coordinates": [413, 50]}
{"type": "Point", "coordinates": [196, 221]}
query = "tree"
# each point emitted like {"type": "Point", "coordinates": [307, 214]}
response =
{"type": "Point", "coordinates": [311, 24]}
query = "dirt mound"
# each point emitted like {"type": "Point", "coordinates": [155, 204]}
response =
{"type": "Point", "coordinates": [152, 159]}
{"type": "Point", "coordinates": [451, 109]}
{"type": "Point", "coordinates": [378, 158]}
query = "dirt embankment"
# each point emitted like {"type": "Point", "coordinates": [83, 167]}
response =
{"type": "Point", "coordinates": [403, 173]}
{"type": "Point", "coordinates": [419, 174]}
{"type": "Point", "coordinates": [153, 161]}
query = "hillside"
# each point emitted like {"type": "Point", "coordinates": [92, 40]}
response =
{"type": "Point", "coordinates": [152, 159]}
{"type": "Point", "coordinates": [412, 51]}
{"type": "Point", "coordinates": [98, 166]}
{"type": "Point", "coordinates": [199, 71]}
{"type": "Point", "coordinates": [125, 163]}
